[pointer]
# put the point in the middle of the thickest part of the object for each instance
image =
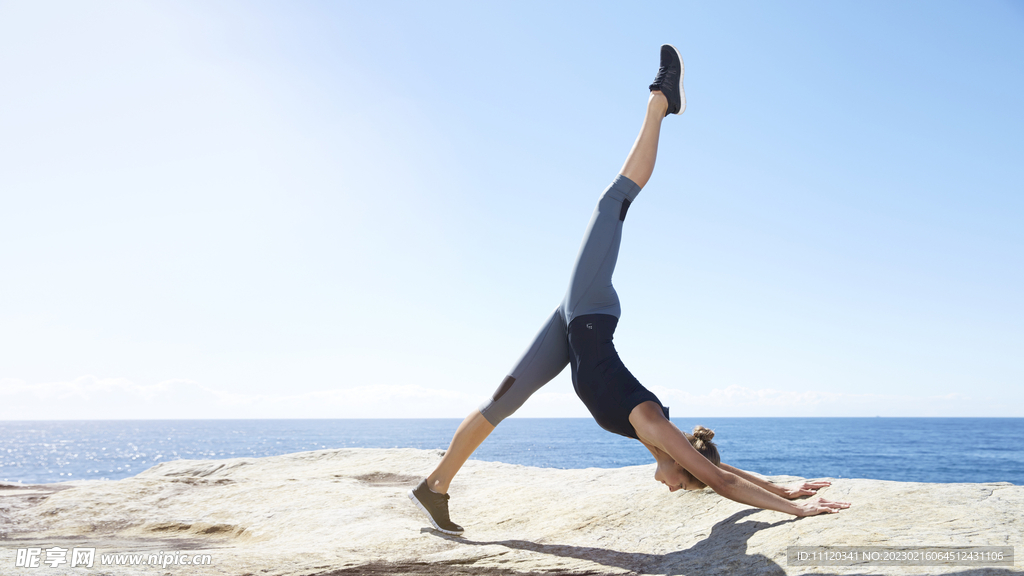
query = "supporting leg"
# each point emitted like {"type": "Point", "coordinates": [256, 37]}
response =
{"type": "Point", "coordinates": [640, 163]}
{"type": "Point", "coordinates": [470, 434]}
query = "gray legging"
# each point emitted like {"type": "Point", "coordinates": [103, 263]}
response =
{"type": "Point", "coordinates": [590, 292]}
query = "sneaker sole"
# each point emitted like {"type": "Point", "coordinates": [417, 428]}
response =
{"type": "Point", "coordinates": [682, 95]}
{"type": "Point", "coordinates": [423, 509]}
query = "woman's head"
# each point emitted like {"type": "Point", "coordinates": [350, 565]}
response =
{"type": "Point", "coordinates": [675, 476]}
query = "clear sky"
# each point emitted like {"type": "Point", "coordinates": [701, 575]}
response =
{"type": "Point", "coordinates": [366, 209]}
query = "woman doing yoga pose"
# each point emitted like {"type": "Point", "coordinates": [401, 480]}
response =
{"type": "Point", "coordinates": [579, 333]}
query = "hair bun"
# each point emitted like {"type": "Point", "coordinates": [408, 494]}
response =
{"type": "Point", "coordinates": [703, 434]}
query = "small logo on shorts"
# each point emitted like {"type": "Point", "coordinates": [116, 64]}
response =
{"type": "Point", "coordinates": [590, 326]}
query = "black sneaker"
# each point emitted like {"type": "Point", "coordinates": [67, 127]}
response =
{"type": "Point", "coordinates": [670, 79]}
{"type": "Point", "coordinates": [436, 508]}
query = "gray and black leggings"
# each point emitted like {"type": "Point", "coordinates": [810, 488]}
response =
{"type": "Point", "coordinates": [580, 329]}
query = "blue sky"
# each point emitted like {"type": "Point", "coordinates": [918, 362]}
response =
{"type": "Point", "coordinates": [288, 210]}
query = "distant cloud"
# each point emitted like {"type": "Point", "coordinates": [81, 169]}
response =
{"type": "Point", "coordinates": [85, 387]}
{"type": "Point", "coordinates": [92, 397]}
{"type": "Point", "coordinates": [348, 396]}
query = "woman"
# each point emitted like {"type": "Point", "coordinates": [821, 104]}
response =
{"type": "Point", "coordinates": [579, 333]}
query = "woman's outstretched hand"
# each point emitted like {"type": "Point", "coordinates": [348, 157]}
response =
{"type": "Point", "coordinates": [821, 506]}
{"type": "Point", "coordinates": [812, 507]}
{"type": "Point", "coordinates": [799, 489]}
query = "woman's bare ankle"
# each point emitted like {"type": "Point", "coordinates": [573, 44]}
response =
{"type": "Point", "coordinates": [437, 485]}
{"type": "Point", "coordinates": [657, 103]}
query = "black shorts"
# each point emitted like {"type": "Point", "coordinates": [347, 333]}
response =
{"type": "Point", "coordinates": [600, 378]}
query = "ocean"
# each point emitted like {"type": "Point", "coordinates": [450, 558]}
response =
{"type": "Point", "coordinates": [904, 449]}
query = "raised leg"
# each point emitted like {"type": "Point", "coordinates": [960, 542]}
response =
{"type": "Point", "coordinates": [590, 284]}
{"type": "Point", "coordinates": [640, 163]}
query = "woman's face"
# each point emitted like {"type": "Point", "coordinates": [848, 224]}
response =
{"type": "Point", "coordinates": [676, 477]}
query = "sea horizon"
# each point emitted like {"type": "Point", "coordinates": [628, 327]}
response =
{"type": "Point", "coordinates": [912, 448]}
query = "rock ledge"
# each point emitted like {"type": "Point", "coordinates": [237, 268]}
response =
{"type": "Point", "coordinates": [335, 512]}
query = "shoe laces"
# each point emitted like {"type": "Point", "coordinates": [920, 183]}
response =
{"type": "Point", "coordinates": [659, 78]}
{"type": "Point", "coordinates": [666, 78]}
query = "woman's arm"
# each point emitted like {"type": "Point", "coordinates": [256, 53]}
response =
{"type": "Point", "coordinates": [755, 480]}
{"type": "Point", "coordinates": [789, 491]}
{"type": "Point", "coordinates": [654, 429]}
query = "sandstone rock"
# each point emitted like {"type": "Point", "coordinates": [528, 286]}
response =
{"type": "Point", "coordinates": [346, 512]}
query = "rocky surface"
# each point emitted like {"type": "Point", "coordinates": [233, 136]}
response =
{"type": "Point", "coordinates": [334, 512]}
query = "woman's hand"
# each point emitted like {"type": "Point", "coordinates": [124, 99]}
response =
{"type": "Point", "coordinates": [799, 489]}
{"type": "Point", "coordinates": [820, 506]}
